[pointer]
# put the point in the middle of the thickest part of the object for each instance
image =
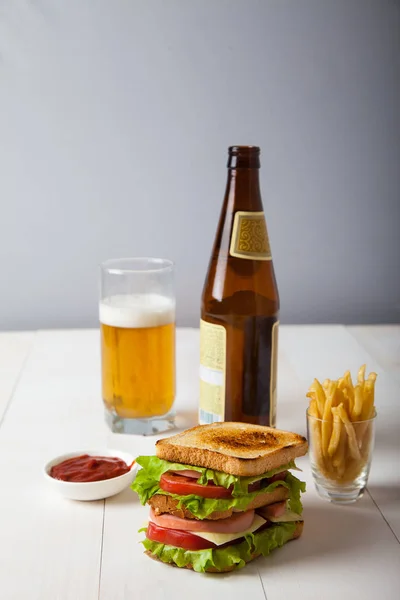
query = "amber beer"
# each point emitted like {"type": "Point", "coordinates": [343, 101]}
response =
{"type": "Point", "coordinates": [240, 306]}
{"type": "Point", "coordinates": [138, 355]}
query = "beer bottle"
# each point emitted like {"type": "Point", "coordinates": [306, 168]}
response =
{"type": "Point", "coordinates": [240, 305]}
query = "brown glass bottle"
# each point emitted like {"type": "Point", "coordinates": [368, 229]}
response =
{"type": "Point", "coordinates": [240, 306]}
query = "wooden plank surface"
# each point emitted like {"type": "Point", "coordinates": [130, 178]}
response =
{"type": "Point", "coordinates": [14, 348]}
{"type": "Point", "coordinates": [83, 551]}
{"type": "Point", "coordinates": [50, 547]}
{"type": "Point", "coordinates": [382, 342]}
{"type": "Point", "coordinates": [344, 551]}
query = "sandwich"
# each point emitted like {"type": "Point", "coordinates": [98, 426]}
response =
{"type": "Point", "coordinates": [221, 495]}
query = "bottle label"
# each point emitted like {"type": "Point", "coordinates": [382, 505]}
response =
{"type": "Point", "coordinates": [212, 373]}
{"type": "Point", "coordinates": [274, 373]}
{"type": "Point", "coordinates": [250, 237]}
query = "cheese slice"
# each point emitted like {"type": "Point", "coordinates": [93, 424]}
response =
{"type": "Point", "coordinates": [223, 538]}
{"type": "Point", "coordinates": [288, 516]}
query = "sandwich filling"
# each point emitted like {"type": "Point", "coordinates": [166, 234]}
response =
{"type": "Point", "coordinates": [211, 519]}
{"type": "Point", "coordinates": [213, 490]}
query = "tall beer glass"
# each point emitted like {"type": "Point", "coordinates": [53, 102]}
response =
{"type": "Point", "coordinates": [137, 323]}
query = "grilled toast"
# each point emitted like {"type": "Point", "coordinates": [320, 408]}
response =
{"type": "Point", "coordinates": [236, 448]}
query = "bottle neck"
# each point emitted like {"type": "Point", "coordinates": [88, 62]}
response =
{"type": "Point", "coordinates": [243, 190]}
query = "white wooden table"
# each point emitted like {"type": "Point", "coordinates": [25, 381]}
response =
{"type": "Point", "coordinates": [55, 549]}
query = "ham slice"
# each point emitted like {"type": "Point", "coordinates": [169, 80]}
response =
{"type": "Point", "coordinates": [187, 473]}
{"type": "Point", "coordinates": [235, 524]}
{"type": "Point", "coordinates": [273, 510]}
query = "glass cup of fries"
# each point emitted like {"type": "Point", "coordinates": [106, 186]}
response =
{"type": "Point", "coordinates": [341, 431]}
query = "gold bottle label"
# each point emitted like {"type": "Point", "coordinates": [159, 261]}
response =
{"type": "Point", "coordinates": [212, 373]}
{"type": "Point", "coordinates": [274, 373]}
{"type": "Point", "coordinates": [250, 237]}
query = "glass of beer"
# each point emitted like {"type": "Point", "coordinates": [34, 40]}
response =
{"type": "Point", "coordinates": [137, 323]}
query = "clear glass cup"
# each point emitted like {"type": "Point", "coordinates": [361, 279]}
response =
{"type": "Point", "coordinates": [137, 324]}
{"type": "Point", "coordinates": [341, 476]}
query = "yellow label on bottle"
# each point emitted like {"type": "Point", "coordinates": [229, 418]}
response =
{"type": "Point", "coordinates": [274, 373]}
{"type": "Point", "coordinates": [212, 372]}
{"type": "Point", "coordinates": [250, 237]}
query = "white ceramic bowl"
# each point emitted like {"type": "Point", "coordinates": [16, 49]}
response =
{"type": "Point", "coordinates": [91, 490]}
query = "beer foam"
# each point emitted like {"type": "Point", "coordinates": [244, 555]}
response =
{"type": "Point", "coordinates": [137, 310]}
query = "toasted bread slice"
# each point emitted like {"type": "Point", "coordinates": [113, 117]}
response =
{"type": "Point", "coordinates": [166, 504]}
{"type": "Point", "coordinates": [236, 448]}
{"type": "Point", "coordinates": [296, 534]}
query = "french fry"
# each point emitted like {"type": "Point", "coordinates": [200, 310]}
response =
{"type": "Point", "coordinates": [327, 423]}
{"type": "Point", "coordinates": [358, 395]}
{"type": "Point", "coordinates": [335, 437]}
{"type": "Point", "coordinates": [353, 446]}
{"type": "Point", "coordinates": [358, 402]}
{"type": "Point", "coordinates": [367, 411]}
{"type": "Point", "coordinates": [340, 456]}
{"type": "Point", "coordinates": [348, 403]}
{"type": "Point", "coordinates": [342, 387]}
{"type": "Point", "coordinates": [350, 391]}
{"type": "Point", "coordinates": [361, 376]}
{"type": "Point", "coordinates": [316, 429]}
{"type": "Point", "coordinates": [316, 388]}
{"type": "Point", "coordinates": [339, 398]}
{"type": "Point", "coordinates": [313, 409]}
{"type": "Point", "coordinates": [313, 397]}
{"type": "Point", "coordinates": [316, 434]}
{"type": "Point", "coordinates": [365, 433]}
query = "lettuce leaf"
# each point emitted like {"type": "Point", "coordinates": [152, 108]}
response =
{"type": "Point", "coordinates": [296, 488]}
{"type": "Point", "coordinates": [147, 479]}
{"type": "Point", "coordinates": [235, 555]}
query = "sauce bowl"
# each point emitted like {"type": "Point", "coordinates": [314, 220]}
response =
{"type": "Point", "coordinates": [91, 490]}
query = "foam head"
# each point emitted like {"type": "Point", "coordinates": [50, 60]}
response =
{"type": "Point", "coordinates": [137, 310]}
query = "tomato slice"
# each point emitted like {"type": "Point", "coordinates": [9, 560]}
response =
{"type": "Point", "coordinates": [182, 485]}
{"type": "Point", "coordinates": [178, 484]}
{"type": "Point", "coordinates": [179, 539]}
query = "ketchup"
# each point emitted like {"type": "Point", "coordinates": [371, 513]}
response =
{"type": "Point", "coordinates": [89, 468]}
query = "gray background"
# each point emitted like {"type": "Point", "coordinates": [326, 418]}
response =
{"type": "Point", "coordinates": [115, 117]}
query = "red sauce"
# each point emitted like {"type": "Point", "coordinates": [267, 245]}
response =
{"type": "Point", "coordinates": [89, 468]}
